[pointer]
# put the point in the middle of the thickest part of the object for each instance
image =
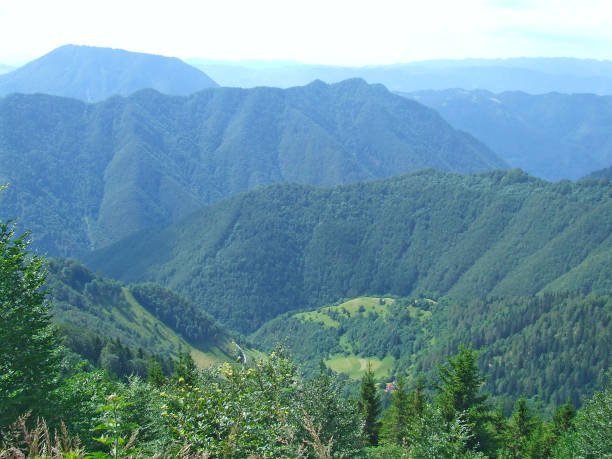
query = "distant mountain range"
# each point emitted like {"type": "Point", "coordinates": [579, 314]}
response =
{"type": "Point", "coordinates": [252, 257]}
{"type": "Point", "coordinates": [531, 75]}
{"type": "Point", "coordinates": [6, 68]}
{"type": "Point", "coordinates": [93, 74]}
{"type": "Point", "coordinates": [553, 136]}
{"type": "Point", "coordinates": [85, 175]}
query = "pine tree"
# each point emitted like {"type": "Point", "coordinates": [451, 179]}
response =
{"type": "Point", "coordinates": [520, 429]}
{"type": "Point", "coordinates": [155, 373]}
{"type": "Point", "coordinates": [398, 415]}
{"type": "Point", "coordinates": [185, 369]}
{"type": "Point", "coordinates": [29, 345]}
{"type": "Point", "coordinates": [370, 406]}
{"type": "Point", "coordinates": [458, 396]}
{"type": "Point", "coordinates": [563, 418]}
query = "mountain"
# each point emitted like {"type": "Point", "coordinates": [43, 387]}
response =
{"type": "Point", "coordinates": [531, 75]}
{"type": "Point", "coordinates": [6, 68]}
{"type": "Point", "coordinates": [93, 74]}
{"type": "Point", "coordinates": [401, 336]}
{"type": "Point", "coordinates": [251, 257]}
{"type": "Point", "coordinates": [553, 136]}
{"type": "Point", "coordinates": [85, 175]}
{"type": "Point", "coordinates": [144, 316]}
{"type": "Point", "coordinates": [601, 174]}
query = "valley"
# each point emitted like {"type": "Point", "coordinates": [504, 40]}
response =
{"type": "Point", "coordinates": [267, 258]}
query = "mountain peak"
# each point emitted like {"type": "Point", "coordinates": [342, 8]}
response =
{"type": "Point", "coordinates": [92, 74]}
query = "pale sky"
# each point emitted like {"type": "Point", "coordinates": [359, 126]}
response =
{"type": "Point", "coordinates": [341, 32]}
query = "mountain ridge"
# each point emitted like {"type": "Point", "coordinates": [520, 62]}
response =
{"type": "Point", "coordinates": [85, 175]}
{"type": "Point", "coordinates": [253, 256]}
{"type": "Point", "coordinates": [554, 136]}
{"type": "Point", "coordinates": [532, 75]}
{"type": "Point", "coordinates": [92, 74]}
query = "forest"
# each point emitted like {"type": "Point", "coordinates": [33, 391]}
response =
{"type": "Point", "coordinates": [335, 270]}
{"type": "Point", "coordinates": [56, 404]}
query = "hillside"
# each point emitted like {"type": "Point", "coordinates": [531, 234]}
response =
{"type": "Point", "coordinates": [410, 337]}
{"type": "Point", "coordinates": [85, 175]}
{"type": "Point", "coordinates": [142, 316]}
{"type": "Point", "coordinates": [92, 74]}
{"type": "Point", "coordinates": [531, 75]}
{"type": "Point", "coordinates": [6, 68]}
{"type": "Point", "coordinates": [553, 136]}
{"type": "Point", "coordinates": [252, 257]}
{"type": "Point", "coordinates": [605, 173]}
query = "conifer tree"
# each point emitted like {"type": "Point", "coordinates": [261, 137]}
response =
{"type": "Point", "coordinates": [155, 373]}
{"type": "Point", "coordinates": [185, 370]}
{"type": "Point", "coordinates": [29, 345]}
{"type": "Point", "coordinates": [370, 406]}
{"type": "Point", "coordinates": [458, 395]}
{"type": "Point", "coordinates": [398, 415]}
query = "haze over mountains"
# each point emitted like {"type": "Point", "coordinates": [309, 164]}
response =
{"type": "Point", "coordinates": [252, 257]}
{"type": "Point", "coordinates": [531, 75]}
{"type": "Point", "coordinates": [6, 68]}
{"type": "Point", "coordinates": [94, 74]}
{"type": "Point", "coordinates": [85, 175]}
{"type": "Point", "coordinates": [553, 136]}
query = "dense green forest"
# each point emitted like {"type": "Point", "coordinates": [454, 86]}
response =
{"type": "Point", "coordinates": [262, 410]}
{"type": "Point", "coordinates": [52, 406]}
{"type": "Point", "coordinates": [550, 349]}
{"type": "Point", "coordinates": [101, 319]}
{"type": "Point", "coordinates": [93, 74]}
{"type": "Point", "coordinates": [252, 257]}
{"type": "Point", "coordinates": [84, 175]}
{"type": "Point", "coordinates": [601, 174]}
{"type": "Point", "coordinates": [553, 136]}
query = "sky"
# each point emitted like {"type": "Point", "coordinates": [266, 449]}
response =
{"type": "Point", "coordinates": [340, 32]}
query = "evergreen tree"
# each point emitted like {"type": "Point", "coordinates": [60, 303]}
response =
{"type": "Point", "coordinates": [418, 399]}
{"type": "Point", "coordinates": [185, 370]}
{"type": "Point", "coordinates": [370, 406]}
{"type": "Point", "coordinates": [520, 429]}
{"type": "Point", "coordinates": [458, 396]}
{"type": "Point", "coordinates": [397, 417]}
{"type": "Point", "coordinates": [563, 418]}
{"type": "Point", "coordinates": [155, 372]}
{"type": "Point", "coordinates": [29, 345]}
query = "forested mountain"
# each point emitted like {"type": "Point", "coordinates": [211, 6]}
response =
{"type": "Point", "coordinates": [553, 136]}
{"type": "Point", "coordinates": [92, 74]}
{"type": "Point", "coordinates": [550, 348]}
{"type": "Point", "coordinates": [84, 175]}
{"type": "Point", "coordinates": [141, 316]}
{"type": "Point", "coordinates": [601, 174]}
{"type": "Point", "coordinates": [532, 75]}
{"type": "Point", "coordinates": [252, 257]}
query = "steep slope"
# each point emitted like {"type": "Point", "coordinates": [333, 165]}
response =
{"type": "Point", "coordinates": [550, 348]}
{"type": "Point", "coordinates": [92, 74]}
{"type": "Point", "coordinates": [252, 257]}
{"type": "Point", "coordinates": [141, 316]}
{"type": "Point", "coordinates": [84, 175]}
{"type": "Point", "coordinates": [6, 68]}
{"type": "Point", "coordinates": [605, 173]}
{"type": "Point", "coordinates": [553, 136]}
{"type": "Point", "coordinates": [532, 75]}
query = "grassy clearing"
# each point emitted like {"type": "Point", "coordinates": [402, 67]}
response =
{"type": "Point", "coordinates": [351, 308]}
{"type": "Point", "coordinates": [354, 365]}
{"type": "Point", "coordinates": [147, 325]}
{"type": "Point", "coordinates": [364, 305]}
{"type": "Point", "coordinates": [320, 316]}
